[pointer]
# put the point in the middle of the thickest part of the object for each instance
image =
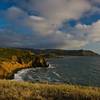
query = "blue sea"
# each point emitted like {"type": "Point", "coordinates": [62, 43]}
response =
{"type": "Point", "coordinates": [78, 70]}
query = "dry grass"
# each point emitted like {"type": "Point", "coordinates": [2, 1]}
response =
{"type": "Point", "coordinates": [12, 90]}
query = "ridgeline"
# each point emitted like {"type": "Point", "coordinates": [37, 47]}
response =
{"type": "Point", "coordinates": [59, 52]}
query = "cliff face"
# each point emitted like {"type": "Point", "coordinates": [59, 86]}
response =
{"type": "Point", "coordinates": [7, 69]}
{"type": "Point", "coordinates": [39, 61]}
{"type": "Point", "coordinates": [13, 60]}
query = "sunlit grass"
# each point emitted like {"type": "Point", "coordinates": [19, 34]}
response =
{"type": "Point", "coordinates": [12, 90]}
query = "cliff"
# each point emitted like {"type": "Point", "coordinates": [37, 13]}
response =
{"type": "Point", "coordinates": [12, 60]}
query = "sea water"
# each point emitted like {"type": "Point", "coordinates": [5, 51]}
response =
{"type": "Point", "coordinates": [79, 70]}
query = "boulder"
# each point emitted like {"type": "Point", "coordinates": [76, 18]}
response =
{"type": "Point", "coordinates": [39, 61]}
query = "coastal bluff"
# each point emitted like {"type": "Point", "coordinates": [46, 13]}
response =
{"type": "Point", "coordinates": [13, 60]}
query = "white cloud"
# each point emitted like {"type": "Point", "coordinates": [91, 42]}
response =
{"type": "Point", "coordinates": [45, 27]}
{"type": "Point", "coordinates": [56, 11]}
{"type": "Point", "coordinates": [69, 41]}
{"type": "Point", "coordinates": [96, 1]}
{"type": "Point", "coordinates": [39, 24]}
{"type": "Point", "coordinates": [14, 12]}
{"type": "Point", "coordinates": [45, 33]}
{"type": "Point", "coordinates": [93, 31]}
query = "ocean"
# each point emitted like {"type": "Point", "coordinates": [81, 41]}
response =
{"type": "Point", "coordinates": [77, 70]}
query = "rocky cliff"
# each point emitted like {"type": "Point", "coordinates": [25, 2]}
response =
{"type": "Point", "coordinates": [12, 60]}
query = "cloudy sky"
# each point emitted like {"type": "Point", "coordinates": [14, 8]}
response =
{"type": "Point", "coordinates": [64, 24]}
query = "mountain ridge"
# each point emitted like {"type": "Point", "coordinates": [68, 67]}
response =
{"type": "Point", "coordinates": [60, 52]}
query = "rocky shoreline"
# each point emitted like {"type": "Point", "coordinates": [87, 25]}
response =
{"type": "Point", "coordinates": [9, 68]}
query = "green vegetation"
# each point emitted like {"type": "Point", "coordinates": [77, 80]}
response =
{"type": "Point", "coordinates": [7, 53]}
{"type": "Point", "coordinates": [27, 54]}
{"type": "Point", "coordinates": [49, 53]}
{"type": "Point", "coordinates": [12, 90]}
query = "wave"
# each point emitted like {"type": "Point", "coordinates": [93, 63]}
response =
{"type": "Point", "coordinates": [18, 77]}
{"type": "Point", "coordinates": [22, 73]}
{"type": "Point", "coordinates": [57, 74]}
{"type": "Point", "coordinates": [51, 66]}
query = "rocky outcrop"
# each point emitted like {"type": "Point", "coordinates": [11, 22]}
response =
{"type": "Point", "coordinates": [39, 61]}
{"type": "Point", "coordinates": [9, 68]}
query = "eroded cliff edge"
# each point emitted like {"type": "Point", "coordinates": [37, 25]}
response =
{"type": "Point", "coordinates": [13, 60]}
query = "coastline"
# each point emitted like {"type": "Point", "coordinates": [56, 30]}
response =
{"type": "Point", "coordinates": [11, 75]}
{"type": "Point", "coordinates": [8, 69]}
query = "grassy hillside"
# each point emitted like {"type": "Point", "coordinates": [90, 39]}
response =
{"type": "Point", "coordinates": [11, 90]}
{"type": "Point", "coordinates": [59, 52]}
{"type": "Point", "coordinates": [7, 53]}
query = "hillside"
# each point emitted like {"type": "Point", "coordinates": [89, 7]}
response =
{"type": "Point", "coordinates": [27, 54]}
{"type": "Point", "coordinates": [12, 90]}
{"type": "Point", "coordinates": [8, 53]}
{"type": "Point", "coordinates": [58, 52]}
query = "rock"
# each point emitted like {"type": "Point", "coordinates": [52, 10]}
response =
{"type": "Point", "coordinates": [17, 59]}
{"type": "Point", "coordinates": [39, 61]}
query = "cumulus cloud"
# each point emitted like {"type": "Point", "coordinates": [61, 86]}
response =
{"type": "Point", "coordinates": [10, 38]}
{"type": "Point", "coordinates": [96, 1]}
{"type": "Point", "coordinates": [93, 31]}
{"type": "Point", "coordinates": [44, 27]}
{"type": "Point", "coordinates": [57, 11]}
{"type": "Point", "coordinates": [43, 31]}
{"type": "Point", "coordinates": [39, 24]}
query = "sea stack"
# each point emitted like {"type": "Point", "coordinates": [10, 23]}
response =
{"type": "Point", "coordinates": [39, 61]}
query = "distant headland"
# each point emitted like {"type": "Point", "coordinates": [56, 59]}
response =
{"type": "Point", "coordinates": [60, 52]}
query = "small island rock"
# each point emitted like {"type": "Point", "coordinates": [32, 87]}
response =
{"type": "Point", "coordinates": [39, 61]}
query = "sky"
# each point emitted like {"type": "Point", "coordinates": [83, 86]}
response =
{"type": "Point", "coordinates": [49, 24]}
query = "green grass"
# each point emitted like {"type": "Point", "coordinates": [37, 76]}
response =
{"type": "Point", "coordinates": [12, 90]}
{"type": "Point", "coordinates": [7, 53]}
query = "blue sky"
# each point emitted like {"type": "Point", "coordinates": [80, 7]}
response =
{"type": "Point", "coordinates": [63, 24]}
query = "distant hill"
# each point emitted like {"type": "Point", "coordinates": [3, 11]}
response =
{"type": "Point", "coordinates": [58, 52]}
{"type": "Point", "coordinates": [27, 53]}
